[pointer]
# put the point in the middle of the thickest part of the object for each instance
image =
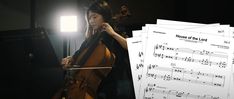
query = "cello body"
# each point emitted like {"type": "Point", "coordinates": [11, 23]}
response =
{"type": "Point", "coordinates": [84, 83]}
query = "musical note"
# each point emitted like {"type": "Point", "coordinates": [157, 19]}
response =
{"type": "Point", "coordinates": [140, 54]}
{"type": "Point", "coordinates": [140, 65]}
{"type": "Point", "coordinates": [139, 77]}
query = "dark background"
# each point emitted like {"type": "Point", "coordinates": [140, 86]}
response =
{"type": "Point", "coordinates": [30, 59]}
{"type": "Point", "coordinates": [15, 14]}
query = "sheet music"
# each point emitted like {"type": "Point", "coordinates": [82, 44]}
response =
{"type": "Point", "coordinates": [191, 26]}
{"type": "Point", "coordinates": [143, 32]}
{"type": "Point", "coordinates": [136, 61]}
{"type": "Point", "coordinates": [181, 65]}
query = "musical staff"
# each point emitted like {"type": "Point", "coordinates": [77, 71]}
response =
{"type": "Point", "coordinates": [172, 94]}
{"type": "Point", "coordinates": [210, 79]}
{"type": "Point", "coordinates": [186, 50]}
{"type": "Point", "coordinates": [220, 64]}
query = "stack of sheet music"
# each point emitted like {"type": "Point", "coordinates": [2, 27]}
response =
{"type": "Point", "coordinates": [182, 60]}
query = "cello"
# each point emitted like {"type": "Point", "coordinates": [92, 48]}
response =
{"type": "Point", "coordinates": [90, 65]}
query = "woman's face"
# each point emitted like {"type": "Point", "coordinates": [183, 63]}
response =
{"type": "Point", "coordinates": [95, 20]}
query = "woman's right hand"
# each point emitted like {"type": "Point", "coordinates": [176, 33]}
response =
{"type": "Point", "coordinates": [66, 62]}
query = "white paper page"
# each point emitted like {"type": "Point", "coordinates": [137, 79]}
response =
{"type": "Point", "coordinates": [136, 61]}
{"type": "Point", "coordinates": [176, 23]}
{"type": "Point", "coordinates": [136, 33]}
{"type": "Point", "coordinates": [171, 26]}
{"type": "Point", "coordinates": [222, 30]}
{"type": "Point", "coordinates": [232, 80]}
{"type": "Point", "coordinates": [232, 29]}
{"type": "Point", "coordinates": [183, 26]}
{"type": "Point", "coordinates": [208, 29]}
{"type": "Point", "coordinates": [172, 22]}
{"type": "Point", "coordinates": [167, 87]}
{"type": "Point", "coordinates": [144, 39]}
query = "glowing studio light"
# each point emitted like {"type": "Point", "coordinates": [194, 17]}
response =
{"type": "Point", "coordinates": [68, 24]}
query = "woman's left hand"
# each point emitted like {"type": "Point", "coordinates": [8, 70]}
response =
{"type": "Point", "coordinates": [106, 27]}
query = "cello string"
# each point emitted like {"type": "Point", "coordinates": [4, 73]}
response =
{"type": "Point", "coordinates": [80, 68]}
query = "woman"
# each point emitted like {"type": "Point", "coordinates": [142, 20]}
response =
{"type": "Point", "coordinates": [118, 84]}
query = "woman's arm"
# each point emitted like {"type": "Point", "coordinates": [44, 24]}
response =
{"type": "Point", "coordinates": [121, 40]}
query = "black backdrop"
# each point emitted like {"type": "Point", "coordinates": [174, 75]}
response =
{"type": "Point", "coordinates": [29, 66]}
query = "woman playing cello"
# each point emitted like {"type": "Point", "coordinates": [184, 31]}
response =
{"type": "Point", "coordinates": [118, 83]}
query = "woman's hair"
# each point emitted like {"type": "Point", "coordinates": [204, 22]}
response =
{"type": "Point", "coordinates": [101, 7]}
